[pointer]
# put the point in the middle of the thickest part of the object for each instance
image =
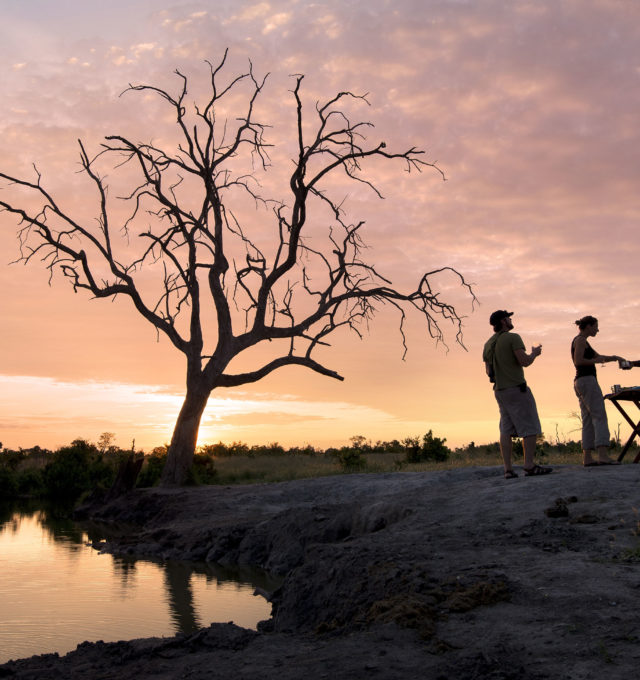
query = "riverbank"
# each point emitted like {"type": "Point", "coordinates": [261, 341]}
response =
{"type": "Point", "coordinates": [457, 574]}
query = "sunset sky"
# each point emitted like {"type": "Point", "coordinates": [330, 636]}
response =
{"type": "Point", "coordinates": [531, 108]}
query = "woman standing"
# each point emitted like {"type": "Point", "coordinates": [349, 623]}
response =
{"type": "Point", "coordinates": [595, 428]}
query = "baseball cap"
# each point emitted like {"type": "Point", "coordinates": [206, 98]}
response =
{"type": "Point", "coordinates": [498, 315]}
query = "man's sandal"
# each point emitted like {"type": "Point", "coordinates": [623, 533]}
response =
{"type": "Point", "coordinates": [510, 474]}
{"type": "Point", "coordinates": [537, 470]}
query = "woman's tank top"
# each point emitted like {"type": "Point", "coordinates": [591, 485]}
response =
{"type": "Point", "coordinates": [588, 369]}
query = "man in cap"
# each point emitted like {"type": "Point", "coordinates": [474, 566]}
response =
{"type": "Point", "coordinates": [505, 358]}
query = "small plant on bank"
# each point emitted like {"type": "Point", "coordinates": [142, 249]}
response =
{"type": "Point", "coordinates": [350, 459]}
{"type": "Point", "coordinates": [152, 467]}
{"type": "Point", "coordinates": [429, 449]}
{"type": "Point", "coordinates": [203, 470]}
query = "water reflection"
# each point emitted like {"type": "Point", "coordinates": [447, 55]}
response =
{"type": "Point", "coordinates": [56, 591]}
{"type": "Point", "coordinates": [177, 578]}
{"type": "Point", "coordinates": [54, 519]}
{"type": "Point", "coordinates": [125, 570]}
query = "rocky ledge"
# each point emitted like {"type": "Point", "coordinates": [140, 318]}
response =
{"type": "Point", "coordinates": [458, 574]}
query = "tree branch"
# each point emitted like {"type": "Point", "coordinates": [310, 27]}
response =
{"type": "Point", "coordinates": [226, 380]}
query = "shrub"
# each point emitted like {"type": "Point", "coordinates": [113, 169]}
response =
{"type": "Point", "coordinates": [307, 450]}
{"type": "Point", "coordinates": [350, 459]}
{"type": "Point", "coordinates": [152, 468]}
{"type": "Point", "coordinates": [67, 475]}
{"type": "Point", "coordinates": [30, 482]}
{"type": "Point", "coordinates": [218, 450]}
{"type": "Point", "coordinates": [8, 486]}
{"type": "Point", "coordinates": [203, 470]}
{"type": "Point", "coordinates": [273, 449]}
{"type": "Point", "coordinates": [393, 446]}
{"type": "Point", "coordinates": [569, 446]}
{"type": "Point", "coordinates": [74, 469]}
{"type": "Point", "coordinates": [360, 443]}
{"type": "Point", "coordinates": [11, 459]}
{"type": "Point", "coordinates": [431, 448]}
{"type": "Point", "coordinates": [221, 450]}
{"type": "Point", "coordinates": [237, 449]}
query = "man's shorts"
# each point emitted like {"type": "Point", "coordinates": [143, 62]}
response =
{"type": "Point", "coordinates": [518, 412]}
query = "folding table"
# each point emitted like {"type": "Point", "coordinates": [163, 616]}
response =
{"type": "Point", "coordinates": [627, 395]}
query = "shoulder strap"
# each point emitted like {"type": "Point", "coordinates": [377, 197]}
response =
{"type": "Point", "coordinates": [492, 347]}
{"type": "Point", "coordinates": [491, 356]}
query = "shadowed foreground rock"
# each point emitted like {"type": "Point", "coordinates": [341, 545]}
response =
{"type": "Point", "coordinates": [456, 574]}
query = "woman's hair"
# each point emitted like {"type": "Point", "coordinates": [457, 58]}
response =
{"type": "Point", "coordinates": [586, 321]}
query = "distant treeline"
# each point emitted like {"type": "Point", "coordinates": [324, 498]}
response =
{"type": "Point", "coordinates": [426, 448]}
{"type": "Point", "coordinates": [82, 466]}
{"type": "Point", "coordinates": [71, 471]}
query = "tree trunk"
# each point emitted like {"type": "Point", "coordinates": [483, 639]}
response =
{"type": "Point", "coordinates": [183, 441]}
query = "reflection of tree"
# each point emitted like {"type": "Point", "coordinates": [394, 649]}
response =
{"type": "Point", "coordinates": [6, 512]}
{"type": "Point", "coordinates": [56, 522]}
{"type": "Point", "coordinates": [126, 569]}
{"type": "Point", "coordinates": [177, 576]}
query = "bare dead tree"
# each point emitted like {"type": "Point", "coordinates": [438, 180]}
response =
{"type": "Point", "coordinates": [208, 265]}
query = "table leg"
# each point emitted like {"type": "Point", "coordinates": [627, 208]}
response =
{"type": "Point", "coordinates": [635, 430]}
{"type": "Point", "coordinates": [625, 448]}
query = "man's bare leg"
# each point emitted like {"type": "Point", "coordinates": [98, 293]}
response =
{"type": "Point", "coordinates": [506, 449]}
{"type": "Point", "coordinates": [530, 467]}
{"type": "Point", "coordinates": [529, 448]}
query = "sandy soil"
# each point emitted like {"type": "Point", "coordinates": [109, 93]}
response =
{"type": "Point", "coordinates": [459, 575]}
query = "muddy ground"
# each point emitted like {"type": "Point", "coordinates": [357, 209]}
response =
{"type": "Point", "coordinates": [459, 575]}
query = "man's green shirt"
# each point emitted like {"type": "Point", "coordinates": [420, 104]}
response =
{"type": "Point", "coordinates": [499, 352]}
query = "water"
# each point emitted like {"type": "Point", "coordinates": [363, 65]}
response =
{"type": "Point", "coordinates": [56, 591]}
